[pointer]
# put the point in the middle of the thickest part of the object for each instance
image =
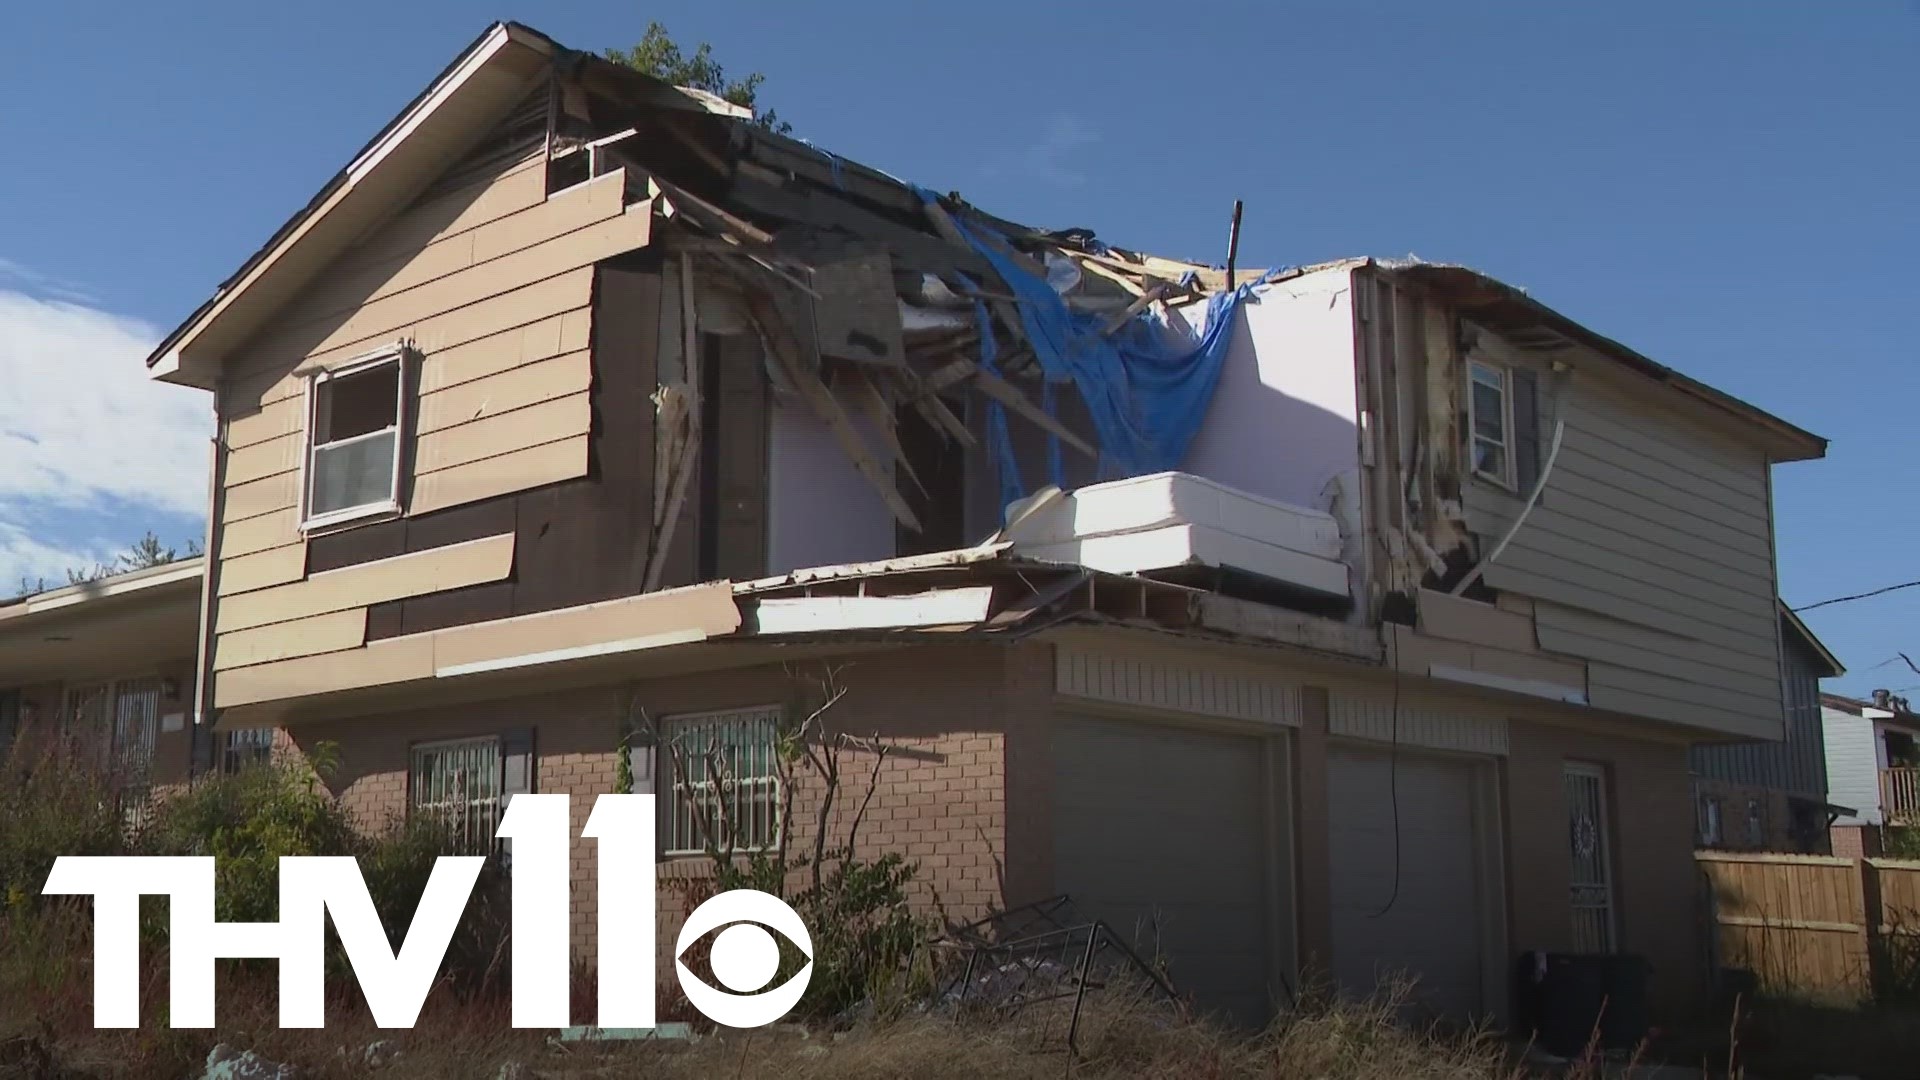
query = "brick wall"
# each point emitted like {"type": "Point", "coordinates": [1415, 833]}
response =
{"type": "Point", "coordinates": [1657, 897]}
{"type": "Point", "coordinates": [1855, 841]}
{"type": "Point", "coordinates": [940, 798]}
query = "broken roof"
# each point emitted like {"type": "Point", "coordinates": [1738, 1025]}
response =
{"type": "Point", "coordinates": [768, 179]}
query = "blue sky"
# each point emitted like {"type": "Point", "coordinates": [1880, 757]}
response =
{"type": "Point", "coordinates": [1729, 188]}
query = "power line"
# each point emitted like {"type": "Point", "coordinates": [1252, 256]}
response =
{"type": "Point", "coordinates": [1858, 596]}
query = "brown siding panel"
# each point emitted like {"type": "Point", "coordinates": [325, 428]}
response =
{"type": "Point", "coordinates": [530, 425]}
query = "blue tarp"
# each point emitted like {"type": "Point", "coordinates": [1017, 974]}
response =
{"type": "Point", "coordinates": [1147, 395]}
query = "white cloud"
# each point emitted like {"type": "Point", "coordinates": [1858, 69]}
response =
{"type": "Point", "coordinates": [27, 560]}
{"type": "Point", "coordinates": [81, 425]}
{"type": "Point", "coordinates": [1050, 159]}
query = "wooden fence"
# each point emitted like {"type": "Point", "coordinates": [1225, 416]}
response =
{"type": "Point", "coordinates": [1809, 925]}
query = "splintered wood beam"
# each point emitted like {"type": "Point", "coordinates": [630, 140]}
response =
{"type": "Point", "coordinates": [948, 374]}
{"type": "Point", "coordinates": [937, 414]}
{"type": "Point", "coordinates": [684, 199]}
{"type": "Point", "coordinates": [827, 407]}
{"type": "Point", "coordinates": [1158, 292]}
{"type": "Point", "coordinates": [1094, 266]}
{"type": "Point", "coordinates": [669, 415]}
{"type": "Point", "coordinates": [1007, 394]}
{"type": "Point", "coordinates": [881, 414]}
{"type": "Point", "coordinates": [1003, 308]}
{"type": "Point", "coordinates": [688, 455]}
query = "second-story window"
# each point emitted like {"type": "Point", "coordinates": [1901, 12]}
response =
{"type": "Point", "coordinates": [355, 415]}
{"type": "Point", "coordinates": [1490, 421]}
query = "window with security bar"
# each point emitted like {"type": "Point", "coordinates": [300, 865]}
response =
{"type": "Point", "coordinates": [726, 782]}
{"type": "Point", "coordinates": [116, 724]}
{"type": "Point", "coordinates": [245, 748]}
{"type": "Point", "coordinates": [459, 785]}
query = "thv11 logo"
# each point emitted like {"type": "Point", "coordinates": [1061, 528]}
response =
{"type": "Point", "coordinates": [312, 888]}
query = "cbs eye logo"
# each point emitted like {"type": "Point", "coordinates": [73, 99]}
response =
{"type": "Point", "coordinates": [744, 958]}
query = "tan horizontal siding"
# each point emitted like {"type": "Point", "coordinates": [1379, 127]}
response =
{"type": "Point", "coordinates": [1652, 545]}
{"type": "Point", "coordinates": [518, 471]}
{"type": "Point", "coordinates": [1631, 508]}
{"type": "Point", "coordinates": [1749, 699]}
{"type": "Point", "coordinates": [258, 425]}
{"type": "Point", "coordinates": [258, 534]}
{"type": "Point", "coordinates": [567, 212]}
{"type": "Point", "coordinates": [1598, 594]}
{"type": "Point", "coordinates": [257, 497]}
{"type": "Point", "coordinates": [1547, 553]}
{"type": "Point", "coordinates": [1666, 433]}
{"type": "Point", "coordinates": [1649, 459]}
{"type": "Point", "coordinates": [378, 663]}
{"type": "Point", "coordinates": [1658, 497]}
{"type": "Point", "coordinates": [516, 388]}
{"type": "Point", "coordinates": [1578, 633]}
{"type": "Point", "coordinates": [504, 433]}
{"type": "Point", "coordinates": [520, 186]}
{"type": "Point", "coordinates": [475, 562]}
{"type": "Point", "coordinates": [383, 319]}
{"type": "Point", "coordinates": [532, 303]}
{"type": "Point", "coordinates": [1638, 702]}
{"type": "Point", "coordinates": [550, 337]}
{"type": "Point", "coordinates": [261, 460]}
{"type": "Point", "coordinates": [330, 632]}
{"type": "Point", "coordinates": [261, 569]}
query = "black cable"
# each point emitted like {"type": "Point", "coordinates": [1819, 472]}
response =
{"type": "Point", "coordinates": [1857, 596]}
{"type": "Point", "coordinates": [1393, 774]}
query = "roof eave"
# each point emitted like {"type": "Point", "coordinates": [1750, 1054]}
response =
{"type": "Point", "coordinates": [170, 361]}
{"type": "Point", "coordinates": [1834, 668]}
{"type": "Point", "coordinates": [1784, 441]}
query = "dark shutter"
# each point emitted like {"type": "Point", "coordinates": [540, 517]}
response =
{"type": "Point", "coordinates": [516, 764]}
{"type": "Point", "coordinates": [1526, 429]}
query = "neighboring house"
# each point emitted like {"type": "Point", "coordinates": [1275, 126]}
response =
{"type": "Point", "coordinates": [1774, 795]}
{"type": "Point", "coordinates": [1873, 768]}
{"type": "Point", "coordinates": [578, 407]}
{"type": "Point", "coordinates": [104, 669]}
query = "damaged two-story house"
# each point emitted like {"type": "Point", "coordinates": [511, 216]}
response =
{"type": "Point", "coordinates": [1333, 620]}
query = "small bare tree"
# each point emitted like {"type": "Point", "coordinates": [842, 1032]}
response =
{"type": "Point", "coordinates": [856, 908]}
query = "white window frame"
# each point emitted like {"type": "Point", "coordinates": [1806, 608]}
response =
{"type": "Point", "coordinates": [497, 801]}
{"type": "Point", "coordinates": [1505, 478]}
{"type": "Point", "coordinates": [396, 355]}
{"type": "Point", "coordinates": [674, 844]}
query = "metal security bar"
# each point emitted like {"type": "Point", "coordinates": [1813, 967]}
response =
{"type": "Point", "coordinates": [726, 786]}
{"type": "Point", "coordinates": [136, 727]}
{"type": "Point", "coordinates": [458, 784]}
{"type": "Point", "coordinates": [1591, 849]}
{"type": "Point", "coordinates": [245, 748]}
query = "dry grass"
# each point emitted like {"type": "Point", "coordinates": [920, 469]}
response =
{"type": "Point", "coordinates": [1121, 1036]}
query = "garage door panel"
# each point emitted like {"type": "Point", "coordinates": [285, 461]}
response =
{"type": "Point", "coordinates": [1411, 906]}
{"type": "Point", "coordinates": [1161, 832]}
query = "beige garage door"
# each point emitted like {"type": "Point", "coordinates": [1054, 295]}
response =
{"type": "Point", "coordinates": [1423, 917]}
{"type": "Point", "coordinates": [1162, 832]}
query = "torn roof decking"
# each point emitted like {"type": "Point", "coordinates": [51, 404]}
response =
{"type": "Point", "coordinates": [772, 200]}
